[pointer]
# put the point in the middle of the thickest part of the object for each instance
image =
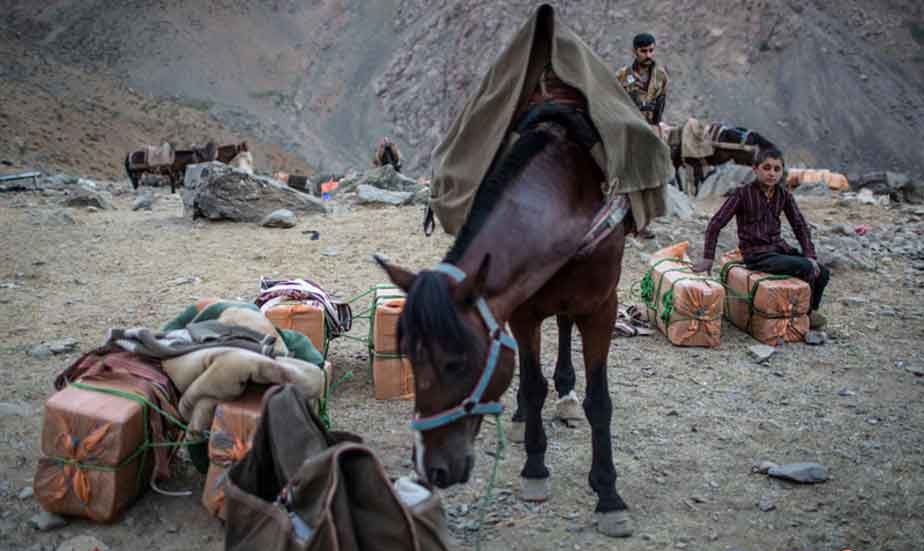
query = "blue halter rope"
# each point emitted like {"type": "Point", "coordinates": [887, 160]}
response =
{"type": "Point", "coordinates": [472, 405]}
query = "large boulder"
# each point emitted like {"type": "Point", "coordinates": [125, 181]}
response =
{"type": "Point", "coordinates": [383, 177]}
{"type": "Point", "coordinates": [678, 203]}
{"type": "Point", "coordinates": [218, 192]}
{"type": "Point", "coordinates": [724, 179]}
{"type": "Point", "coordinates": [87, 194]}
{"type": "Point", "coordinates": [369, 195]}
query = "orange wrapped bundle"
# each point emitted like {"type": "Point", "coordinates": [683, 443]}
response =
{"type": "Point", "coordinates": [685, 306]}
{"type": "Point", "coordinates": [771, 308]}
{"type": "Point", "coordinates": [307, 319]}
{"type": "Point", "coordinates": [835, 181]}
{"type": "Point", "coordinates": [233, 427]}
{"type": "Point", "coordinates": [94, 460]}
{"type": "Point", "coordinates": [391, 373]}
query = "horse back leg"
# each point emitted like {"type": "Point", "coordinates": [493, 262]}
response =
{"type": "Point", "coordinates": [564, 370]}
{"type": "Point", "coordinates": [534, 389]}
{"type": "Point", "coordinates": [596, 334]}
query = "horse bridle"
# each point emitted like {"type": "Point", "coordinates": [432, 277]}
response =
{"type": "Point", "coordinates": [472, 405]}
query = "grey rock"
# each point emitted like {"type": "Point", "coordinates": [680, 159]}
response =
{"type": "Point", "coordinates": [814, 189]}
{"type": "Point", "coordinates": [725, 179]}
{"type": "Point", "coordinates": [282, 218]}
{"type": "Point", "coordinates": [41, 352]}
{"type": "Point", "coordinates": [761, 352]}
{"type": "Point", "coordinates": [846, 392]}
{"type": "Point", "coordinates": [913, 192]}
{"type": "Point", "coordinates": [87, 194]}
{"type": "Point", "coordinates": [186, 280]}
{"type": "Point", "coordinates": [843, 229]}
{"type": "Point", "coordinates": [763, 467]}
{"type": "Point", "coordinates": [915, 370]}
{"type": "Point", "coordinates": [806, 473]}
{"type": "Point", "coordinates": [816, 338]}
{"type": "Point", "coordinates": [766, 504]}
{"type": "Point", "coordinates": [853, 301]}
{"type": "Point", "coordinates": [63, 346]}
{"type": "Point", "coordinates": [218, 192]}
{"type": "Point", "coordinates": [15, 409]}
{"type": "Point", "coordinates": [422, 196]}
{"type": "Point", "coordinates": [144, 201]}
{"type": "Point", "coordinates": [368, 195]}
{"type": "Point", "coordinates": [386, 178]}
{"type": "Point", "coordinates": [26, 492]}
{"type": "Point", "coordinates": [85, 542]}
{"type": "Point", "coordinates": [678, 203]}
{"type": "Point", "coordinates": [46, 521]}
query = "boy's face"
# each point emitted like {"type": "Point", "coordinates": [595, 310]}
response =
{"type": "Point", "coordinates": [769, 171]}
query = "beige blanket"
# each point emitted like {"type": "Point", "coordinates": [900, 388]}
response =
{"type": "Point", "coordinates": [205, 377]}
{"type": "Point", "coordinates": [633, 159]}
{"type": "Point", "coordinates": [693, 141]}
{"type": "Point", "coordinates": [158, 156]}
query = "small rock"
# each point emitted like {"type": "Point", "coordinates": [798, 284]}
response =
{"type": "Point", "coordinates": [845, 392]}
{"type": "Point", "coordinates": [282, 218]}
{"type": "Point", "coordinates": [915, 370]}
{"type": "Point", "coordinates": [853, 301]}
{"type": "Point", "coordinates": [63, 346]}
{"type": "Point", "coordinates": [144, 201]}
{"type": "Point", "coordinates": [40, 352]}
{"type": "Point", "coordinates": [763, 467]}
{"type": "Point", "coordinates": [329, 252]}
{"type": "Point", "coordinates": [26, 493]}
{"type": "Point", "coordinates": [83, 543]}
{"type": "Point", "coordinates": [816, 338]}
{"type": "Point", "coordinates": [761, 352]}
{"type": "Point", "coordinates": [186, 280]}
{"type": "Point", "coordinates": [843, 229]}
{"type": "Point", "coordinates": [766, 504]}
{"type": "Point", "coordinates": [46, 521]}
{"type": "Point", "coordinates": [806, 473]}
{"type": "Point", "coordinates": [14, 409]}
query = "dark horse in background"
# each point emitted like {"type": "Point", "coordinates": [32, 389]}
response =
{"type": "Point", "coordinates": [731, 143]}
{"type": "Point", "coordinates": [136, 162]}
{"type": "Point", "coordinates": [516, 261]}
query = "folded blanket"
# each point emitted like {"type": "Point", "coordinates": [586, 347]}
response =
{"type": "Point", "coordinates": [207, 376]}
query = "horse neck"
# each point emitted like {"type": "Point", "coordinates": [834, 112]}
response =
{"type": "Point", "coordinates": [536, 226]}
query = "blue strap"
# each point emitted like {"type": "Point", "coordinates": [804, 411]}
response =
{"type": "Point", "coordinates": [472, 405]}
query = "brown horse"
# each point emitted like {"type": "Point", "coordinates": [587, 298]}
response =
{"type": "Point", "coordinates": [515, 261]}
{"type": "Point", "coordinates": [742, 148]}
{"type": "Point", "coordinates": [136, 162]}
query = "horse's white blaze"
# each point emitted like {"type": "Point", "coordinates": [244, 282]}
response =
{"type": "Point", "coordinates": [419, 454]}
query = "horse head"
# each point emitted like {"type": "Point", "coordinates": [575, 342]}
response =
{"type": "Point", "coordinates": [460, 367]}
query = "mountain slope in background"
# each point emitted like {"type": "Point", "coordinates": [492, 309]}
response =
{"type": "Point", "coordinates": [838, 86]}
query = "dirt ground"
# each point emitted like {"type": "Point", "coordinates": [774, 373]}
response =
{"type": "Point", "coordinates": [688, 423]}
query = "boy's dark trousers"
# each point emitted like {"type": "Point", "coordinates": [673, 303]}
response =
{"type": "Point", "coordinates": [792, 265]}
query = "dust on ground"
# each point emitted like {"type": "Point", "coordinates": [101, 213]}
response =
{"type": "Point", "coordinates": [688, 423]}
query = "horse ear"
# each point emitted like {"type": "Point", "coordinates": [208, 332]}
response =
{"type": "Point", "coordinates": [473, 287]}
{"type": "Point", "coordinates": [399, 276]}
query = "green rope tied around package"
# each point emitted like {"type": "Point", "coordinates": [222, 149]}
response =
{"type": "Point", "coordinates": [647, 285]}
{"type": "Point", "coordinates": [145, 445]}
{"type": "Point", "coordinates": [323, 412]}
{"type": "Point", "coordinates": [731, 294]}
{"type": "Point", "coordinates": [487, 498]}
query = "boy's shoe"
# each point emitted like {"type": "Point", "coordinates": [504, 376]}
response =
{"type": "Point", "coordinates": [817, 320]}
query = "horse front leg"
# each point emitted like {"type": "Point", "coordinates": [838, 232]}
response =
{"type": "Point", "coordinates": [596, 332]}
{"type": "Point", "coordinates": [567, 407]}
{"type": "Point", "coordinates": [535, 481]}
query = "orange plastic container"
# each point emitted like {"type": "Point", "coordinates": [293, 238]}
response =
{"type": "Point", "coordinates": [233, 427]}
{"type": "Point", "coordinates": [392, 375]}
{"type": "Point", "coordinates": [91, 464]}
{"type": "Point", "coordinates": [772, 309]}
{"type": "Point", "coordinates": [307, 319]}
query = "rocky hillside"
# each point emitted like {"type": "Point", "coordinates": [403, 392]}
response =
{"type": "Point", "coordinates": [837, 85]}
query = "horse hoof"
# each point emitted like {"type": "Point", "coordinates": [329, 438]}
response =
{"type": "Point", "coordinates": [615, 524]}
{"type": "Point", "coordinates": [568, 408]}
{"type": "Point", "coordinates": [534, 489]}
{"type": "Point", "coordinates": [516, 432]}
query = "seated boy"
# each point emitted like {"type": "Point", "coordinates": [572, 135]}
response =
{"type": "Point", "coordinates": [756, 207]}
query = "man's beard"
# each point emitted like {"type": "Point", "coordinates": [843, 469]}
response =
{"type": "Point", "coordinates": [647, 63]}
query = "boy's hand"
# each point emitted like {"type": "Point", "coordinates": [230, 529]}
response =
{"type": "Point", "coordinates": [703, 265]}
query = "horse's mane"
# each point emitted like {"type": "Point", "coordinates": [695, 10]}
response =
{"type": "Point", "coordinates": [495, 183]}
{"type": "Point", "coordinates": [760, 141]}
{"type": "Point", "coordinates": [430, 312]}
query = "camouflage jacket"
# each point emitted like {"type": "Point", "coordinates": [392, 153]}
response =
{"type": "Point", "coordinates": [648, 94]}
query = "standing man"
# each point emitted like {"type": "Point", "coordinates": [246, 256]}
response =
{"type": "Point", "coordinates": [645, 81]}
{"type": "Point", "coordinates": [387, 154]}
{"type": "Point", "coordinates": [757, 207]}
